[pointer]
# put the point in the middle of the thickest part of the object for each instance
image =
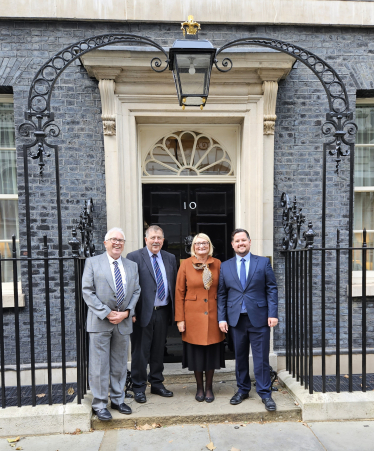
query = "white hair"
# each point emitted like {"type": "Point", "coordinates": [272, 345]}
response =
{"type": "Point", "coordinates": [114, 229]}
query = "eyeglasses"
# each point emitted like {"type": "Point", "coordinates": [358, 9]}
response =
{"type": "Point", "coordinates": [116, 241]}
{"type": "Point", "coordinates": [202, 244]}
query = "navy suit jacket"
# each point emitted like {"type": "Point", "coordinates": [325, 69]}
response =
{"type": "Point", "coordinates": [260, 294]}
{"type": "Point", "coordinates": [148, 284]}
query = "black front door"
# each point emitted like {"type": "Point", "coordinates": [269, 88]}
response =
{"type": "Point", "coordinates": [183, 210]}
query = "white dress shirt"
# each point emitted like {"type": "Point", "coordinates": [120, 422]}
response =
{"type": "Point", "coordinates": [158, 302]}
{"type": "Point", "coordinates": [121, 269]}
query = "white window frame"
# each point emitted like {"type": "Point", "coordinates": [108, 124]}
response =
{"type": "Point", "coordinates": [357, 275]}
{"type": "Point", "coordinates": [7, 287]}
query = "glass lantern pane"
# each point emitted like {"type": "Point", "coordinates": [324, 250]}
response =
{"type": "Point", "coordinates": [221, 168]}
{"type": "Point", "coordinates": [194, 70]}
{"type": "Point", "coordinates": [154, 168]}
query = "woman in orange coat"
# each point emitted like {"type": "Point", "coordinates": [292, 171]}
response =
{"type": "Point", "coordinates": [196, 315]}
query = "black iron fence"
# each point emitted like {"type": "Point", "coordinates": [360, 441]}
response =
{"type": "Point", "coordinates": [42, 328]}
{"type": "Point", "coordinates": [326, 321]}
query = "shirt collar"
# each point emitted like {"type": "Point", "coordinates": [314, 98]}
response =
{"type": "Point", "coordinates": [111, 260]}
{"type": "Point", "coordinates": [151, 253]}
{"type": "Point", "coordinates": [246, 258]}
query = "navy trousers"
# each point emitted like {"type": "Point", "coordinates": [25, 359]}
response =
{"type": "Point", "coordinates": [243, 335]}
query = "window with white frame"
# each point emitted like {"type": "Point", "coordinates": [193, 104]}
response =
{"type": "Point", "coordinates": [9, 224]}
{"type": "Point", "coordinates": [364, 182]}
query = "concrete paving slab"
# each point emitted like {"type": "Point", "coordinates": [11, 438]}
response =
{"type": "Point", "coordinates": [181, 438]}
{"type": "Point", "coordinates": [89, 441]}
{"type": "Point", "coordinates": [345, 436]}
{"type": "Point", "coordinates": [287, 436]}
{"type": "Point", "coordinates": [184, 409]}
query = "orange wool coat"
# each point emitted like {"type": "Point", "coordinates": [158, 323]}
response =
{"type": "Point", "coordinates": [197, 306]}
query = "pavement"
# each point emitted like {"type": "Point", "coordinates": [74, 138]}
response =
{"type": "Point", "coordinates": [227, 436]}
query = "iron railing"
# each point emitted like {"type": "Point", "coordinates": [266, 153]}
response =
{"type": "Point", "coordinates": [322, 318]}
{"type": "Point", "coordinates": [49, 331]}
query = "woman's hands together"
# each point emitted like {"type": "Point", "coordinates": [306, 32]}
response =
{"type": "Point", "coordinates": [181, 326]}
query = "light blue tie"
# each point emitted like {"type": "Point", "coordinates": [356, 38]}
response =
{"type": "Point", "coordinates": [119, 284]}
{"type": "Point", "coordinates": [243, 281]}
{"type": "Point", "coordinates": [159, 279]}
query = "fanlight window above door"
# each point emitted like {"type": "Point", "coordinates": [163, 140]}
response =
{"type": "Point", "coordinates": [187, 153]}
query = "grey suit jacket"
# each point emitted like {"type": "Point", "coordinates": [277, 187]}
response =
{"type": "Point", "coordinates": [99, 293]}
{"type": "Point", "coordinates": [148, 283]}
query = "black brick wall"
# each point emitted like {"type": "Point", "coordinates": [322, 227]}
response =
{"type": "Point", "coordinates": [301, 109]}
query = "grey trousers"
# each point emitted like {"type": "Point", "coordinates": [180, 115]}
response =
{"type": "Point", "coordinates": [108, 361]}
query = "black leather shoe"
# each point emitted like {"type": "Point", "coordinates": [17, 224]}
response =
{"type": "Point", "coordinates": [269, 404]}
{"type": "Point", "coordinates": [162, 392]}
{"type": "Point", "coordinates": [140, 397]}
{"type": "Point", "coordinates": [238, 398]}
{"type": "Point", "coordinates": [122, 408]}
{"type": "Point", "coordinates": [209, 399]}
{"type": "Point", "coordinates": [103, 414]}
{"type": "Point", "coordinates": [200, 398]}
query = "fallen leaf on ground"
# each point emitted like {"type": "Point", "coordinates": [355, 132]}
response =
{"type": "Point", "coordinates": [184, 387]}
{"type": "Point", "coordinates": [146, 427]}
{"type": "Point", "coordinates": [19, 448]}
{"type": "Point", "coordinates": [296, 403]}
{"type": "Point", "coordinates": [234, 449]}
{"type": "Point", "coordinates": [40, 395]}
{"type": "Point", "coordinates": [210, 446]}
{"type": "Point", "coordinates": [156, 425]}
{"type": "Point", "coordinates": [202, 426]}
{"type": "Point", "coordinates": [13, 440]}
{"type": "Point", "coordinates": [77, 431]}
{"type": "Point", "coordinates": [170, 441]}
{"type": "Point", "coordinates": [346, 376]}
{"type": "Point", "coordinates": [243, 425]}
{"type": "Point", "coordinates": [71, 391]}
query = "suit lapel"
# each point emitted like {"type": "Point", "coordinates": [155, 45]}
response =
{"type": "Point", "coordinates": [252, 269]}
{"type": "Point", "coordinates": [104, 262]}
{"type": "Point", "coordinates": [147, 261]}
{"type": "Point", "coordinates": [235, 271]}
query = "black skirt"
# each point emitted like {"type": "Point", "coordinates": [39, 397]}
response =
{"type": "Point", "coordinates": [203, 358]}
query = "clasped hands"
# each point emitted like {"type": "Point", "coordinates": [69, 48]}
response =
{"type": "Point", "coordinates": [116, 317]}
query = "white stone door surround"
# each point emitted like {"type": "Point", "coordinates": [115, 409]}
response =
{"type": "Point", "coordinates": [140, 106]}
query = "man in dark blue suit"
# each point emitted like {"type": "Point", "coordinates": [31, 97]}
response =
{"type": "Point", "coordinates": [248, 303]}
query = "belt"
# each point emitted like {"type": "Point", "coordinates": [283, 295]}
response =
{"type": "Point", "coordinates": [158, 307]}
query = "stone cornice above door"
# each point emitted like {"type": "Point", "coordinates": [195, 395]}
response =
{"type": "Point", "coordinates": [131, 70]}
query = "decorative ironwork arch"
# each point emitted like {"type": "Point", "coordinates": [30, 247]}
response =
{"type": "Point", "coordinates": [338, 123]}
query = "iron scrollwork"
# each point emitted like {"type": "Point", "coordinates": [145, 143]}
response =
{"type": "Point", "coordinates": [85, 246]}
{"type": "Point", "coordinates": [39, 117]}
{"type": "Point", "coordinates": [292, 221]}
{"type": "Point", "coordinates": [339, 123]}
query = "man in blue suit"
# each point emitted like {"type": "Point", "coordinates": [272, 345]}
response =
{"type": "Point", "coordinates": [248, 303]}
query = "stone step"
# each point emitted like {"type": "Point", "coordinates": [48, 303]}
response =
{"type": "Point", "coordinates": [184, 409]}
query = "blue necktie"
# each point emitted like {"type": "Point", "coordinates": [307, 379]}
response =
{"type": "Point", "coordinates": [243, 280]}
{"type": "Point", "coordinates": [159, 279]}
{"type": "Point", "coordinates": [119, 284]}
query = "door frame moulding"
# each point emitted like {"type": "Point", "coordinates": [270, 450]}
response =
{"type": "Point", "coordinates": [138, 96]}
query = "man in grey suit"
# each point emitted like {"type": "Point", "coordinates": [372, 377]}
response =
{"type": "Point", "coordinates": [111, 290]}
{"type": "Point", "coordinates": [157, 276]}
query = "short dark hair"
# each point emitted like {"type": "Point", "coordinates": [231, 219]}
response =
{"type": "Point", "coordinates": [239, 231]}
{"type": "Point", "coordinates": [155, 228]}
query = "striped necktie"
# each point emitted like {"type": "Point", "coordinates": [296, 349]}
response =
{"type": "Point", "coordinates": [159, 280]}
{"type": "Point", "coordinates": [119, 284]}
